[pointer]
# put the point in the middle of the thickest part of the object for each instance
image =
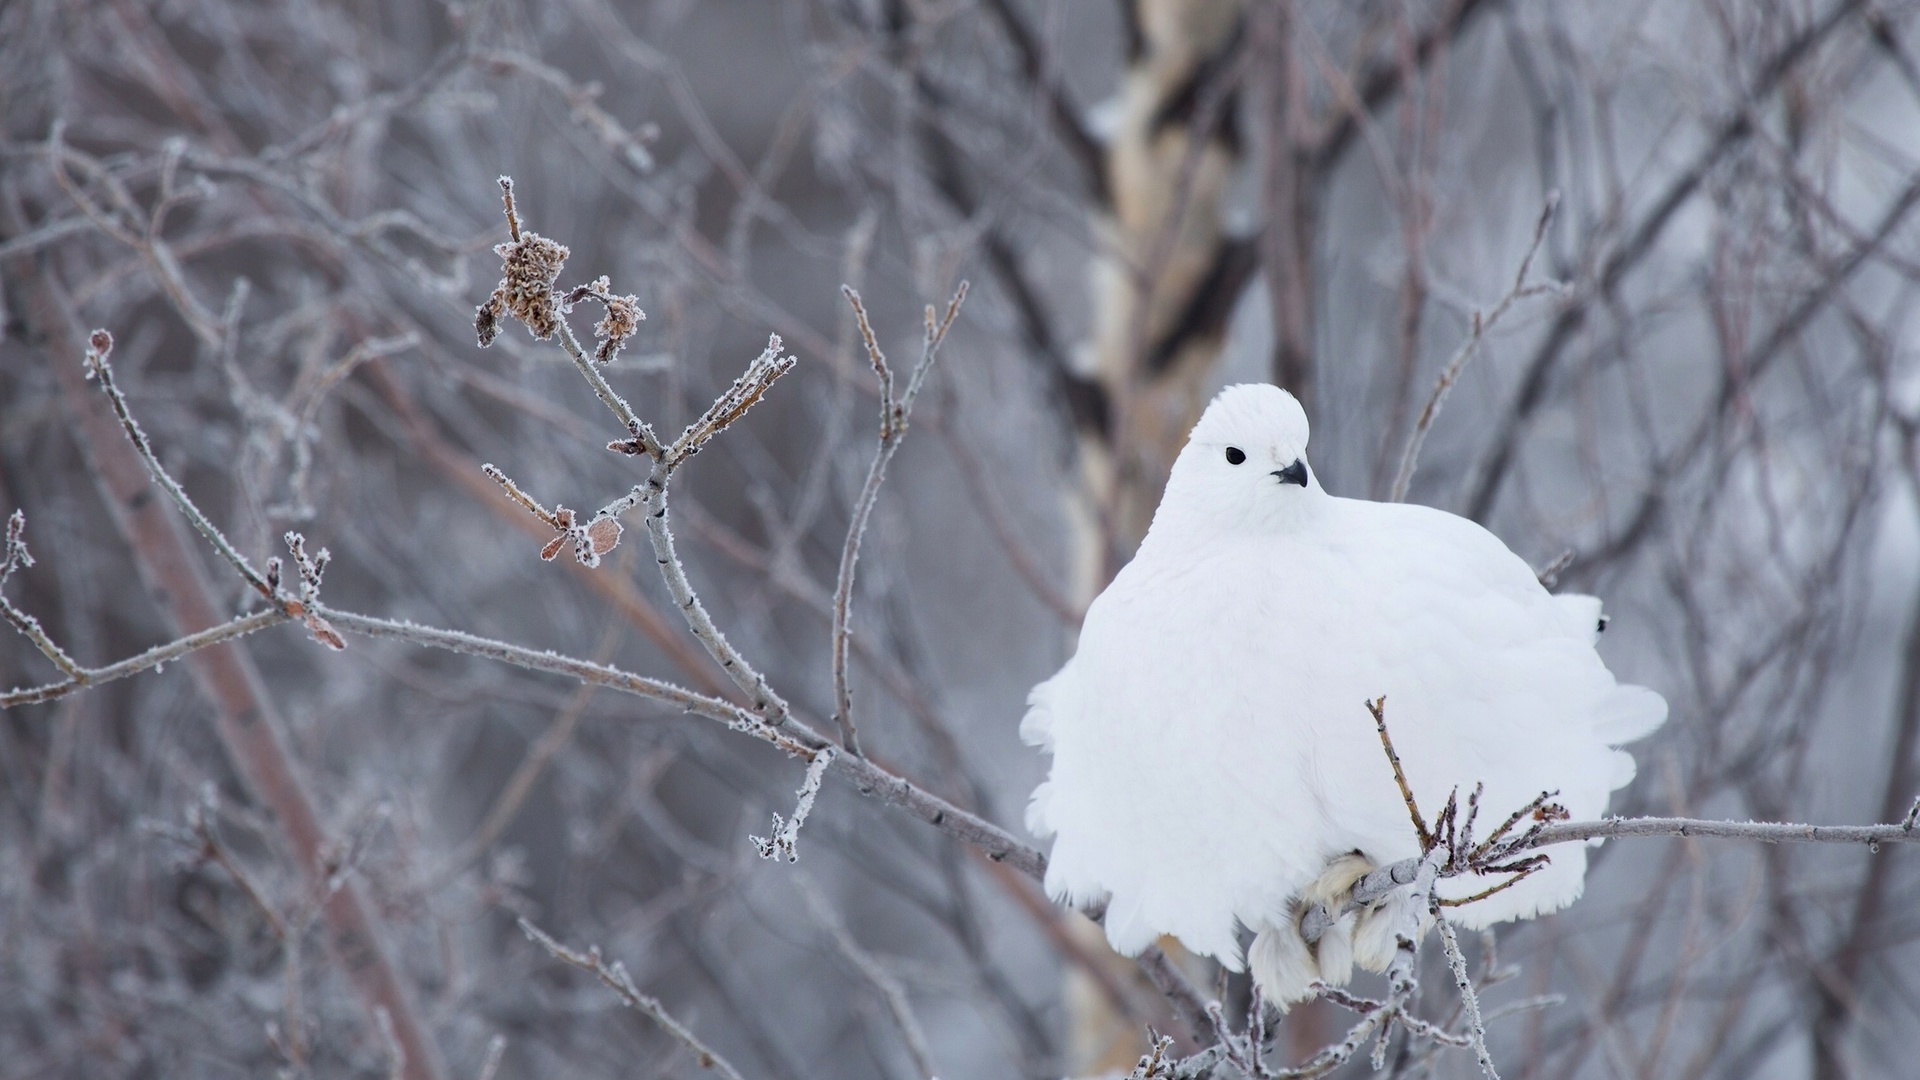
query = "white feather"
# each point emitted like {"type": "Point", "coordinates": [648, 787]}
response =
{"type": "Point", "coordinates": [1212, 750]}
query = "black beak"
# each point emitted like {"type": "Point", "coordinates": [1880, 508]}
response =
{"type": "Point", "coordinates": [1295, 473]}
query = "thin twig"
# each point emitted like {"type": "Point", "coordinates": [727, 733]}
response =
{"type": "Point", "coordinates": [784, 843]}
{"type": "Point", "coordinates": [1423, 1028]}
{"type": "Point", "coordinates": [1476, 1027]}
{"type": "Point", "coordinates": [1766, 832]}
{"type": "Point", "coordinates": [733, 403]}
{"type": "Point", "coordinates": [772, 709]}
{"type": "Point", "coordinates": [18, 557]}
{"type": "Point", "coordinates": [99, 346]}
{"type": "Point", "coordinates": [615, 977]}
{"type": "Point", "coordinates": [531, 505]}
{"type": "Point", "coordinates": [1379, 710]}
{"type": "Point", "coordinates": [585, 670]}
{"type": "Point", "coordinates": [1480, 327]}
{"type": "Point", "coordinates": [894, 415]}
{"type": "Point", "coordinates": [152, 658]}
{"type": "Point", "coordinates": [882, 980]}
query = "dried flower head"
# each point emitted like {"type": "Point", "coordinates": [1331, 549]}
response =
{"type": "Point", "coordinates": [530, 263]}
{"type": "Point", "coordinates": [623, 316]}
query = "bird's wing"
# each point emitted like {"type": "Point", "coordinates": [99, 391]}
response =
{"type": "Point", "coordinates": [1490, 680]}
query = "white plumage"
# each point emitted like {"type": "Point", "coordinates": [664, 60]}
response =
{"type": "Point", "coordinates": [1214, 763]}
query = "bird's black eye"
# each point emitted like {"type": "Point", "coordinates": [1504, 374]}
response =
{"type": "Point", "coordinates": [1235, 455]}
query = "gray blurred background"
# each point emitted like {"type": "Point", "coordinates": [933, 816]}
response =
{"type": "Point", "coordinates": [1703, 410]}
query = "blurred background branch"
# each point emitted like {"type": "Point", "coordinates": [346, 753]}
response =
{"type": "Point", "coordinates": [286, 213]}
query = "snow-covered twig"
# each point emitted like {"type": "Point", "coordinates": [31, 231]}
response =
{"type": "Point", "coordinates": [615, 977]}
{"type": "Point", "coordinates": [152, 658]}
{"type": "Point", "coordinates": [733, 403]}
{"type": "Point", "coordinates": [784, 842]}
{"type": "Point", "coordinates": [18, 557]}
{"type": "Point", "coordinates": [761, 697]}
{"type": "Point", "coordinates": [1476, 1027]}
{"type": "Point", "coordinates": [1766, 832]}
{"type": "Point", "coordinates": [99, 347]}
{"type": "Point", "coordinates": [584, 670]}
{"type": "Point", "coordinates": [1422, 1028]}
{"type": "Point", "coordinates": [894, 416]}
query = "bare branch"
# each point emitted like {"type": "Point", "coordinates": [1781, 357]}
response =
{"type": "Point", "coordinates": [152, 658]}
{"type": "Point", "coordinates": [894, 415]}
{"type": "Point", "coordinates": [1378, 709]}
{"type": "Point", "coordinates": [1476, 1027]}
{"type": "Point", "coordinates": [1479, 327]}
{"type": "Point", "coordinates": [17, 557]}
{"type": "Point", "coordinates": [99, 346]}
{"type": "Point", "coordinates": [882, 980]}
{"type": "Point", "coordinates": [784, 843]}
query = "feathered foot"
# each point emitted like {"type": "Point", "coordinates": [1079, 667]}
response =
{"type": "Point", "coordinates": [1283, 965]}
{"type": "Point", "coordinates": [1378, 926]}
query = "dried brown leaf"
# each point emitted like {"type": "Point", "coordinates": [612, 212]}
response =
{"type": "Point", "coordinates": [324, 633]}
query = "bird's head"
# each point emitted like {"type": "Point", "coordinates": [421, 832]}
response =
{"type": "Point", "coordinates": [1246, 462]}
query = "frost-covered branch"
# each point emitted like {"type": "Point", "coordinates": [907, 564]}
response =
{"type": "Point", "coordinates": [586, 671]}
{"type": "Point", "coordinates": [894, 416]}
{"type": "Point", "coordinates": [1476, 1026]}
{"type": "Point", "coordinates": [784, 841]}
{"type": "Point", "coordinates": [1377, 884]}
{"type": "Point", "coordinates": [85, 677]}
{"type": "Point", "coordinates": [1402, 984]}
{"type": "Point", "coordinates": [18, 557]}
{"type": "Point", "coordinates": [761, 696]}
{"type": "Point", "coordinates": [99, 347]}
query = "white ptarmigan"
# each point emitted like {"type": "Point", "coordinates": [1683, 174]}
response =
{"type": "Point", "coordinates": [1214, 762]}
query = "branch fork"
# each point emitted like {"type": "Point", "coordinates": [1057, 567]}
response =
{"type": "Point", "coordinates": [894, 415]}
